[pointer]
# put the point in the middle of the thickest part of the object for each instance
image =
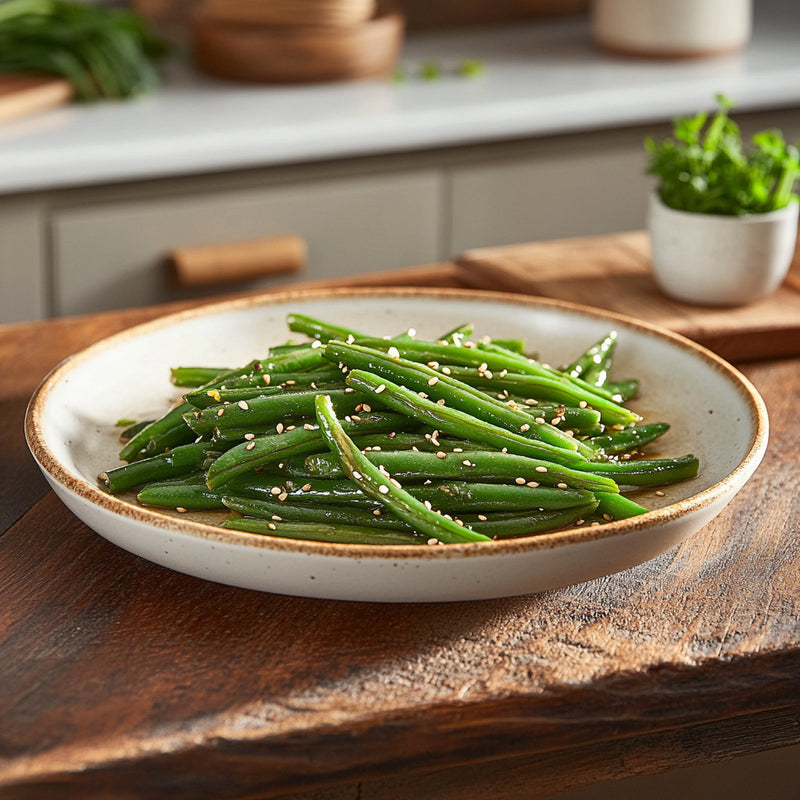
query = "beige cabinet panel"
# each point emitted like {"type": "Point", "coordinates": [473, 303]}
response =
{"type": "Point", "coordinates": [583, 186]}
{"type": "Point", "coordinates": [113, 256]}
{"type": "Point", "coordinates": [22, 265]}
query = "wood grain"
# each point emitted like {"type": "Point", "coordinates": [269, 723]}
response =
{"type": "Point", "coordinates": [613, 273]}
{"type": "Point", "coordinates": [119, 678]}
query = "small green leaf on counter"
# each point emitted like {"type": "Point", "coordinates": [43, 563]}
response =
{"type": "Point", "coordinates": [471, 68]}
{"type": "Point", "coordinates": [430, 71]}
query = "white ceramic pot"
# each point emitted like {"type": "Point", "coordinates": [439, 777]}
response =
{"type": "Point", "coordinates": [672, 28]}
{"type": "Point", "coordinates": [710, 259]}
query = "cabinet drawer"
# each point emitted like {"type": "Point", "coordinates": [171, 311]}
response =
{"type": "Point", "coordinates": [113, 256]}
{"type": "Point", "coordinates": [580, 187]}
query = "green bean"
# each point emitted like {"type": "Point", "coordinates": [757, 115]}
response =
{"type": "Point", "coordinates": [647, 472]}
{"type": "Point", "coordinates": [195, 376]}
{"type": "Point", "coordinates": [617, 506]}
{"type": "Point", "coordinates": [471, 465]}
{"type": "Point", "coordinates": [275, 510]}
{"type": "Point", "coordinates": [422, 378]}
{"type": "Point", "coordinates": [506, 526]}
{"type": "Point", "coordinates": [133, 429]}
{"type": "Point", "coordinates": [268, 409]}
{"type": "Point", "coordinates": [319, 532]}
{"type": "Point", "coordinates": [178, 461]}
{"type": "Point", "coordinates": [628, 440]}
{"type": "Point", "coordinates": [317, 329]}
{"type": "Point", "coordinates": [215, 397]}
{"type": "Point", "coordinates": [457, 497]}
{"type": "Point", "coordinates": [261, 451]}
{"type": "Point", "coordinates": [190, 495]}
{"type": "Point", "coordinates": [623, 390]}
{"type": "Point", "coordinates": [380, 487]}
{"type": "Point", "coordinates": [594, 364]}
{"type": "Point", "coordinates": [456, 422]}
{"type": "Point", "coordinates": [549, 389]}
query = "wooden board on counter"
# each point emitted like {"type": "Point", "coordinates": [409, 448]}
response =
{"type": "Point", "coordinates": [21, 95]}
{"type": "Point", "coordinates": [613, 273]}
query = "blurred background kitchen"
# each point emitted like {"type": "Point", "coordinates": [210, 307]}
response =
{"type": "Point", "coordinates": [306, 139]}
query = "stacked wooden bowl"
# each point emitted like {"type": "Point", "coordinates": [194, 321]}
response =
{"type": "Point", "coordinates": [296, 41]}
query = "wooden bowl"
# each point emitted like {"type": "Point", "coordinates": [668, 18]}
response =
{"type": "Point", "coordinates": [299, 13]}
{"type": "Point", "coordinates": [288, 54]}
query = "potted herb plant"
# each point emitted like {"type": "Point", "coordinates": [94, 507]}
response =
{"type": "Point", "coordinates": [723, 217]}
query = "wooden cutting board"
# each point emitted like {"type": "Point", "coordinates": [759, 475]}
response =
{"type": "Point", "coordinates": [613, 273]}
{"type": "Point", "coordinates": [21, 95]}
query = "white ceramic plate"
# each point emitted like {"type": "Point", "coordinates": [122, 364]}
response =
{"type": "Point", "coordinates": [714, 411]}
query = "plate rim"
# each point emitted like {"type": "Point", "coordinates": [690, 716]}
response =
{"type": "Point", "coordinates": [86, 491]}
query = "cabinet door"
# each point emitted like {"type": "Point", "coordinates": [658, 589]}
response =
{"type": "Point", "coordinates": [22, 266]}
{"type": "Point", "coordinates": [113, 256]}
{"type": "Point", "coordinates": [587, 184]}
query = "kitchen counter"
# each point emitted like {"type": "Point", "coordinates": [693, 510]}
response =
{"type": "Point", "coordinates": [540, 78]}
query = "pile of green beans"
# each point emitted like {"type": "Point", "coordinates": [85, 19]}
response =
{"type": "Point", "coordinates": [349, 438]}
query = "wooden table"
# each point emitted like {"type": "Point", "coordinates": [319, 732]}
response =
{"type": "Point", "coordinates": [121, 679]}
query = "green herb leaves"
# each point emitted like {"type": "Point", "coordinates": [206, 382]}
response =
{"type": "Point", "coordinates": [103, 53]}
{"type": "Point", "coordinates": [706, 168]}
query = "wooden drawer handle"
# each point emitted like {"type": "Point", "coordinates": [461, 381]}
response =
{"type": "Point", "coordinates": [237, 261]}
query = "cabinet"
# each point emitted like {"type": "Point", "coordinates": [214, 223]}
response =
{"type": "Point", "coordinates": [114, 255]}
{"type": "Point", "coordinates": [103, 247]}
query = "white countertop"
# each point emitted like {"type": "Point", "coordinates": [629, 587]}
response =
{"type": "Point", "coordinates": [540, 78]}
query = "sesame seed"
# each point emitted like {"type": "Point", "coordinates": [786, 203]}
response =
{"type": "Point", "coordinates": [220, 412]}
{"type": "Point", "coordinates": [356, 475]}
{"type": "Point", "coordinates": [582, 404]}
{"type": "Point", "coordinates": [395, 482]}
{"type": "Point", "coordinates": [423, 395]}
{"type": "Point", "coordinates": [243, 405]}
{"type": "Point", "coordinates": [427, 504]}
{"type": "Point", "coordinates": [275, 490]}
{"type": "Point", "coordinates": [440, 454]}
{"type": "Point", "coordinates": [659, 493]}
{"type": "Point", "coordinates": [366, 408]}
{"type": "Point", "coordinates": [383, 489]}
{"type": "Point", "coordinates": [433, 541]}
{"type": "Point", "coordinates": [520, 481]}
{"type": "Point", "coordinates": [525, 427]}
{"type": "Point", "coordinates": [433, 381]}
{"type": "Point", "coordinates": [308, 426]}
{"type": "Point", "coordinates": [282, 496]}
{"type": "Point", "coordinates": [488, 374]}
{"type": "Point", "coordinates": [376, 512]}
{"type": "Point", "coordinates": [354, 418]}
{"type": "Point", "coordinates": [607, 517]}
{"type": "Point", "coordinates": [482, 517]}
{"type": "Point", "coordinates": [272, 526]}
{"type": "Point", "coordinates": [349, 390]}
{"type": "Point", "coordinates": [249, 436]}
{"type": "Point", "coordinates": [291, 427]}
{"type": "Point", "coordinates": [279, 427]}
{"type": "Point", "coordinates": [305, 487]}
{"type": "Point", "coordinates": [250, 445]}
{"type": "Point", "coordinates": [316, 344]}
{"type": "Point", "coordinates": [540, 420]}
{"type": "Point", "coordinates": [266, 379]}
{"type": "Point", "coordinates": [276, 517]}
{"type": "Point", "coordinates": [556, 420]}
{"type": "Point", "coordinates": [433, 364]}
{"type": "Point", "coordinates": [181, 509]}
{"type": "Point", "coordinates": [440, 402]}
{"type": "Point", "coordinates": [531, 402]}
{"type": "Point", "coordinates": [393, 352]}
{"type": "Point", "coordinates": [412, 332]}
{"type": "Point", "coordinates": [380, 388]}
{"type": "Point", "coordinates": [562, 486]}
{"type": "Point", "coordinates": [458, 449]}
{"type": "Point", "coordinates": [350, 338]}
{"type": "Point", "coordinates": [483, 367]}
{"type": "Point", "coordinates": [532, 484]}
{"type": "Point", "coordinates": [446, 370]}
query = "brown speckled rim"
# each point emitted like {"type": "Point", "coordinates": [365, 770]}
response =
{"type": "Point", "coordinates": [93, 494]}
